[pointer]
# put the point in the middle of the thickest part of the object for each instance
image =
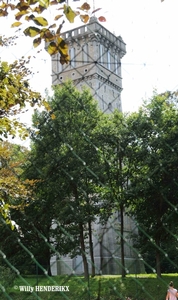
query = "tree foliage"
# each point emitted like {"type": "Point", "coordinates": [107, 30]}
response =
{"type": "Point", "coordinates": [41, 29]}
{"type": "Point", "coordinates": [15, 94]}
{"type": "Point", "coordinates": [14, 192]}
{"type": "Point", "coordinates": [114, 141]}
{"type": "Point", "coordinates": [154, 188]}
{"type": "Point", "coordinates": [66, 162]}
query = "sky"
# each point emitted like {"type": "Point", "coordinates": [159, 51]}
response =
{"type": "Point", "coordinates": [148, 27]}
{"type": "Point", "coordinates": [150, 31]}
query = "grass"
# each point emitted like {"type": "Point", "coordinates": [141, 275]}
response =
{"type": "Point", "coordinates": [136, 287]}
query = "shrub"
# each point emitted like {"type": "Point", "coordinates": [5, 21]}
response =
{"type": "Point", "coordinates": [7, 277]}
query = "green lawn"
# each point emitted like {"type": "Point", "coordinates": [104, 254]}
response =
{"type": "Point", "coordinates": [140, 287]}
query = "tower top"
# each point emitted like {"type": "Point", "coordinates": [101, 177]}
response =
{"type": "Point", "coordinates": [95, 31]}
{"type": "Point", "coordinates": [93, 19]}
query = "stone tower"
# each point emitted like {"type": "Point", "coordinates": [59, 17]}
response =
{"type": "Point", "coordinates": [95, 62]}
{"type": "Point", "coordinates": [95, 55]}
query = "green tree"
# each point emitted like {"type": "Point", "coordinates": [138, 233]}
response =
{"type": "Point", "coordinates": [154, 188]}
{"type": "Point", "coordinates": [14, 191]}
{"type": "Point", "coordinates": [65, 160]}
{"type": "Point", "coordinates": [113, 137]}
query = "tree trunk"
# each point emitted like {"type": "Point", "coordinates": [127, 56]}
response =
{"type": "Point", "coordinates": [91, 249]}
{"type": "Point", "coordinates": [82, 244]}
{"type": "Point", "coordinates": [158, 264]}
{"type": "Point", "coordinates": [122, 240]}
{"type": "Point", "coordinates": [49, 267]}
{"type": "Point", "coordinates": [158, 258]}
{"type": "Point", "coordinates": [101, 255]}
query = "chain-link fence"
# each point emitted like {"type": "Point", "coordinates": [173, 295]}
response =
{"type": "Point", "coordinates": [101, 222]}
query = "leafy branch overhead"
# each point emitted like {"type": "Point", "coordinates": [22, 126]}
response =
{"type": "Point", "coordinates": [15, 93]}
{"type": "Point", "coordinates": [33, 11]}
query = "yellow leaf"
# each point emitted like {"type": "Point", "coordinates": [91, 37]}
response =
{"type": "Point", "coordinates": [52, 48]}
{"type": "Point", "coordinates": [21, 14]}
{"type": "Point", "coordinates": [69, 13]}
{"type": "Point", "coordinates": [46, 105]}
{"type": "Point", "coordinates": [16, 24]}
{"type": "Point", "coordinates": [12, 226]}
{"type": "Point", "coordinates": [31, 31]}
{"type": "Point", "coordinates": [40, 21]}
{"type": "Point", "coordinates": [62, 46]}
{"type": "Point", "coordinates": [44, 3]}
{"type": "Point", "coordinates": [53, 116]}
{"type": "Point", "coordinates": [3, 5]}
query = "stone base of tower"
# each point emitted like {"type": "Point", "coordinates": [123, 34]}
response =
{"type": "Point", "coordinates": [111, 266]}
{"type": "Point", "coordinates": [107, 250]}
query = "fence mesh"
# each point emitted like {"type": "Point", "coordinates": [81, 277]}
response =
{"type": "Point", "coordinates": [109, 247]}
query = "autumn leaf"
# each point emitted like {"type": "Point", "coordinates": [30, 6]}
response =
{"type": "Point", "coordinates": [69, 13]}
{"type": "Point", "coordinates": [31, 31]}
{"type": "Point", "coordinates": [3, 13]}
{"type": "Point", "coordinates": [47, 35]}
{"type": "Point", "coordinates": [3, 5]}
{"type": "Point", "coordinates": [84, 18]}
{"type": "Point", "coordinates": [36, 42]}
{"type": "Point", "coordinates": [85, 6]}
{"type": "Point", "coordinates": [22, 6]}
{"type": "Point", "coordinates": [62, 46]}
{"type": "Point", "coordinates": [58, 17]}
{"type": "Point", "coordinates": [29, 18]}
{"type": "Point", "coordinates": [46, 105]}
{"type": "Point", "coordinates": [16, 24]}
{"type": "Point", "coordinates": [102, 19]}
{"type": "Point", "coordinates": [53, 116]}
{"type": "Point", "coordinates": [44, 3]}
{"type": "Point", "coordinates": [52, 48]}
{"type": "Point", "coordinates": [20, 14]}
{"type": "Point", "coordinates": [39, 9]}
{"type": "Point", "coordinates": [40, 21]}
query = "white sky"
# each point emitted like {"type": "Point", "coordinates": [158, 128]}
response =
{"type": "Point", "coordinates": [150, 30]}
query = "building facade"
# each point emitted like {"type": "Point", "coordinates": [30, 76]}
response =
{"type": "Point", "coordinates": [95, 62]}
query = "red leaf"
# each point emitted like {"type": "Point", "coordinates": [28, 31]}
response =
{"type": "Point", "coordinates": [102, 19]}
